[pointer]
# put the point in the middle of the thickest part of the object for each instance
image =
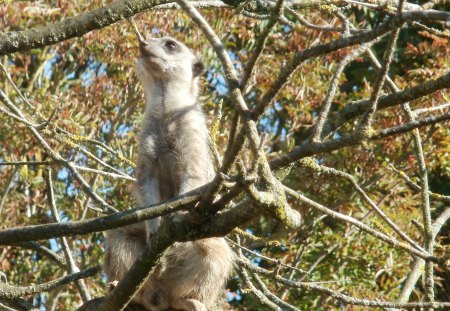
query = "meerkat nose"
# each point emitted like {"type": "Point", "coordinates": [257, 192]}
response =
{"type": "Point", "coordinates": [142, 45]}
{"type": "Point", "coordinates": [143, 48]}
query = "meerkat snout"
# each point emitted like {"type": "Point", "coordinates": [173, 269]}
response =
{"type": "Point", "coordinates": [142, 45]}
{"type": "Point", "coordinates": [167, 59]}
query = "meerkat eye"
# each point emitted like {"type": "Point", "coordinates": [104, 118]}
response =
{"type": "Point", "coordinates": [170, 45]}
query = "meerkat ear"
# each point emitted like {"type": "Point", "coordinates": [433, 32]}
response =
{"type": "Point", "coordinates": [198, 67]}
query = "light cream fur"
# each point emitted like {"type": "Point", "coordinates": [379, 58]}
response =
{"type": "Point", "coordinates": [173, 158]}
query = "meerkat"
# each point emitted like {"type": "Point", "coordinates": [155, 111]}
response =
{"type": "Point", "coordinates": [173, 158]}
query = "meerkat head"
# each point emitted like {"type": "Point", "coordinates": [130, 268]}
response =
{"type": "Point", "coordinates": [165, 59]}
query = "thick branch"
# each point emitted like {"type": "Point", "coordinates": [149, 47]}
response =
{"type": "Point", "coordinates": [311, 148]}
{"type": "Point", "coordinates": [47, 231]}
{"type": "Point", "coordinates": [182, 230]}
{"type": "Point", "coordinates": [357, 108]}
{"type": "Point", "coordinates": [74, 26]}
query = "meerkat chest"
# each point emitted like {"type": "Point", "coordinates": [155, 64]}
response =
{"type": "Point", "coordinates": [169, 125]}
{"type": "Point", "coordinates": [168, 132]}
{"type": "Point", "coordinates": [183, 124]}
{"type": "Point", "coordinates": [170, 136]}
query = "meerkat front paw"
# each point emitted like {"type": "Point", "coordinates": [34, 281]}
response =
{"type": "Point", "coordinates": [153, 299]}
{"type": "Point", "coordinates": [188, 305]}
{"type": "Point", "coordinates": [111, 285]}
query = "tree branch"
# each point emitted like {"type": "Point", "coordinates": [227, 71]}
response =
{"type": "Point", "coordinates": [336, 295]}
{"type": "Point", "coordinates": [74, 26]}
{"type": "Point", "coordinates": [71, 266]}
{"type": "Point", "coordinates": [47, 231]}
{"type": "Point", "coordinates": [311, 148]}
{"type": "Point", "coordinates": [11, 292]}
{"type": "Point", "coordinates": [357, 108]}
{"type": "Point", "coordinates": [366, 36]}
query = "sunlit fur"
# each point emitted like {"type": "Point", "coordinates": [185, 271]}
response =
{"type": "Point", "coordinates": [173, 158]}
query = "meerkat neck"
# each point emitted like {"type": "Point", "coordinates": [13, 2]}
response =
{"type": "Point", "coordinates": [168, 97]}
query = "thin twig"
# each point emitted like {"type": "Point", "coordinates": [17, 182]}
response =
{"type": "Point", "coordinates": [91, 156]}
{"type": "Point", "coordinates": [263, 299]}
{"type": "Point", "coordinates": [425, 199]}
{"type": "Point", "coordinates": [11, 292]}
{"type": "Point", "coordinates": [416, 187]}
{"type": "Point", "coordinates": [323, 115]}
{"type": "Point", "coordinates": [381, 236]}
{"type": "Point", "coordinates": [310, 163]}
{"type": "Point", "coordinates": [113, 175]}
{"type": "Point", "coordinates": [8, 184]}
{"type": "Point", "coordinates": [440, 108]}
{"type": "Point", "coordinates": [365, 125]}
{"type": "Point", "coordinates": [432, 30]}
{"type": "Point", "coordinates": [260, 43]}
{"type": "Point", "coordinates": [265, 257]}
{"type": "Point", "coordinates": [20, 163]}
{"type": "Point", "coordinates": [275, 299]}
{"type": "Point", "coordinates": [334, 294]}
{"type": "Point", "coordinates": [418, 266]}
{"type": "Point", "coordinates": [59, 260]}
{"type": "Point", "coordinates": [305, 23]}
{"type": "Point", "coordinates": [57, 157]}
{"type": "Point", "coordinates": [70, 262]}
